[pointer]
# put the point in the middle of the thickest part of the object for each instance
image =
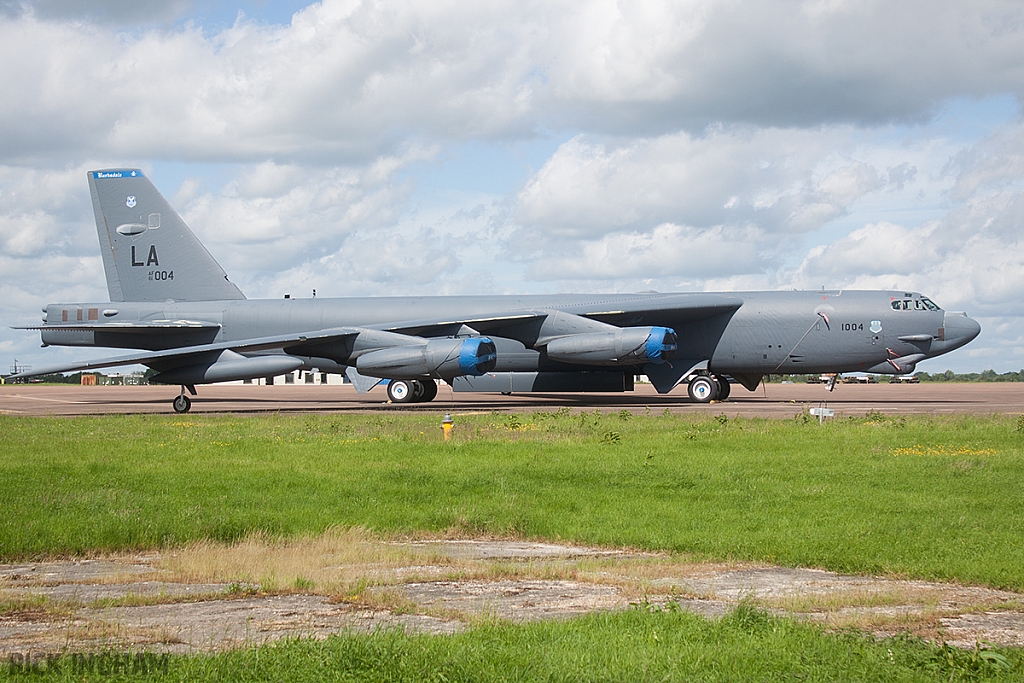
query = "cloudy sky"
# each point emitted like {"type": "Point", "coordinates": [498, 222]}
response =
{"type": "Point", "coordinates": [409, 147]}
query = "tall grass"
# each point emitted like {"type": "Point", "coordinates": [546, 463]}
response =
{"type": "Point", "coordinates": [925, 497]}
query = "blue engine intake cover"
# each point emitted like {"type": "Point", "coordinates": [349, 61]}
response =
{"type": "Point", "coordinates": [477, 356]}
{"type": "Point", "coordinates": [661, 344]}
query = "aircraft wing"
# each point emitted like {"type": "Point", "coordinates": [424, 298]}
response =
{"type": "Point", "coordinates": [624, 310]}
{"type": "Point", "coordinates": [523, 325]}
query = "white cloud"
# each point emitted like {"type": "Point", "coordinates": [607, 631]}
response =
{"type": "Point", "coordinates": [349, 80]}
{"type": "Point", "coordinates": [996, 162]}
{"type": "Point", "coordinates": [275, 218]}
{"type": "Point", "coordinates": [781, 180]}
{"type": "Point", "coordinates": [666, 251]}
{"type": "Point", "coordinates": [877, 249]}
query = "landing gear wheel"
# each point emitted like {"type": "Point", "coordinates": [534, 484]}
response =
{"type": "Point", "coordinates": [418, 389]}
{"type": "Point", "coordinates": [702, 389]}
{"type": "Point", "coordinates": [429, 391]}
{"type": "Point", "coordinates": [723, 387]}
{"type": "Point", "coordinates": [401, 391]}
{"type": "Point", "coordinates": [181, 404]}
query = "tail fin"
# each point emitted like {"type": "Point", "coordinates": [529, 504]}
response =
{"type": "Point", "coordinates": [149, 254]}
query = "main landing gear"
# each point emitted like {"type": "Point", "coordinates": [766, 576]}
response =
{"type": "Point", "coordinates": [181, 402]}
{"type": "Point", "coordinates": [412, 390]}
{"type": "Point", "coordinates": [706, 387]}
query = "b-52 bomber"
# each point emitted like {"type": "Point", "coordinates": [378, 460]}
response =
{"type": "Point", "coordinates": [176, 309]}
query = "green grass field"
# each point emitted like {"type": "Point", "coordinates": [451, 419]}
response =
{"type": "Point", "coordinates": [920, 497]}
{"type": "Point", "coordinates": [636, 645]}
{"type": "Point", "coordinates": [916, 497]}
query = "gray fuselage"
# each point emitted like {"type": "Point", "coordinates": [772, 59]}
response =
{"type": "Point", "coordinates": [756, 333]}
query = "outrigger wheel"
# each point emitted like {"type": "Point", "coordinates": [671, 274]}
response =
{"type": "Point", "coordinates": [181, 403]}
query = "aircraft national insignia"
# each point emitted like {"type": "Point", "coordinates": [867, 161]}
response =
{"type": "Point", "coordinates": [130, 202]}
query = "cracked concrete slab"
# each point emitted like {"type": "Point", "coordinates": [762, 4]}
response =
{"type": "Point", "coordinates": [511, 550]}
{"type": "Point", "coordinates": [516, 600]}
{"type": "Point", "coordinates": [222, 624]}
{"type": "Point", "coordinates": [1002, 628]}
{"type": "Point", "coordinates": [438, 586]}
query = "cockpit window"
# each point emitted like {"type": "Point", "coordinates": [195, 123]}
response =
{"type": "Point", "coordinates": [922, 304]}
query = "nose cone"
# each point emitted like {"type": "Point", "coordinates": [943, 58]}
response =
{"type": "Point", "coordinates": [959, 329]}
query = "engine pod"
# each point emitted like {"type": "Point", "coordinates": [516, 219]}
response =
{"type": "Point", "coordinates": [229, 366]}
{"type": "Point", "coordinates": [622, 346]}
{"type": "Point", "coordinates": [443, 358]}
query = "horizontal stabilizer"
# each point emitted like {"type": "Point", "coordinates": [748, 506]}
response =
{"type": "Point", "coordinates": [150, 327]}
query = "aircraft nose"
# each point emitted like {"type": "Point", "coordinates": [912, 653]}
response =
{"type": "Point", "coordinates": [959, 329]}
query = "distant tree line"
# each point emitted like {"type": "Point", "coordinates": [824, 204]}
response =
{"type": "Point", "coordinates": [985, 376]}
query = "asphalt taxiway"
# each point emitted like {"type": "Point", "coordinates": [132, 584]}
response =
{"type": "Point", "coordinates": [770, 400]}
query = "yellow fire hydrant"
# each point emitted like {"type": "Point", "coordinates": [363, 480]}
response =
{"type": "Point", "coordinates": [447, 424]}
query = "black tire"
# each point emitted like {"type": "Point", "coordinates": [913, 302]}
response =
{"type": "Point", "coordinates": [418, 390]}
{"type": "Point", "coordinates": [181, 404]}
{"type": "Point", "coordinates": [702, 389]}
{"type": "Point", "coordinates": [401, 391]}
{"type": "Point", "coordinates": [724, 388]}
{"type": "Point", "coordinates": [429, 391]}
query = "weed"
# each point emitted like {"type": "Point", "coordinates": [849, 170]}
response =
{"type": "Point", "coordinates": [970, 664]}
{"type": "Point", "coordinates": [749, 617]}
{"type": "Point", "coordinates": [301, 583]}
{"type": "Point", "coordinates": [239, 589]}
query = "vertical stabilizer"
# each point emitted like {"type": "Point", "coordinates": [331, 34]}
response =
{"type": "Point", "coordinates": [149, 254]}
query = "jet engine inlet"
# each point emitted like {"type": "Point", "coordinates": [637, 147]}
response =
{"type": "Point", "coordinates": [477, 356]}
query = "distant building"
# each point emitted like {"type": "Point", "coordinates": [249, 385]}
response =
{"type": "Point", "coordinates": [298, 377]}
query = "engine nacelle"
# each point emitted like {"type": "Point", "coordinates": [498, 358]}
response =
{"type": "Point", "coordinates": [442, 358]}
{"type": "Point", "coordinates": [622, 346]}
{"type": "Point", "coordinates": [229, 366]}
